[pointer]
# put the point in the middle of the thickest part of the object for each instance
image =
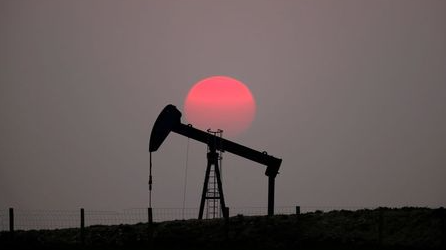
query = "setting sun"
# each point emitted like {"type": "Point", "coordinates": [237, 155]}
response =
{"type": "Point", "coordinates": [220, 102]}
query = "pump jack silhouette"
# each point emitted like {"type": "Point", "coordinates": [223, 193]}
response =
{"type": "Point", "coordinates": [169, 120]}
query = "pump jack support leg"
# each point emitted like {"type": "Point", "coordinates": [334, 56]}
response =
{"type": "Point", "coordinates": [204, 189]}
{"type": "Point", "coordinates": [221, 192]}
{"type": "Point", "coordinates": [271, 191]}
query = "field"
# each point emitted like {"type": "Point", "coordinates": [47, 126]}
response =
{"type": "Point", "coordinates": [382, 228]}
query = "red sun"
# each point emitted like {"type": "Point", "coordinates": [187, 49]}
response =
{"type": "Point", "coordinates": [220, 102]}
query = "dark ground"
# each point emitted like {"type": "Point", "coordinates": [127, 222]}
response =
{"type": "Point", "coordinates": [382, 228]}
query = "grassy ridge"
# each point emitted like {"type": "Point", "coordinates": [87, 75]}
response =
{"type": "Point", "coordinates": [405, 228]}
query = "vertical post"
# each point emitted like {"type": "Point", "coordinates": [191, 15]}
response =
{"type": "Point", "coordinates": [271, 193]}
{"type": "Point", "coordinates": [150, 228]}
{"type": "Point", "coordinates": [150, 218]}
{"type": "Point", "coordinates": [11, 220]}
{"type": "Point", "coordinates": [380, 226]}
{"type": "Point", "coordinates": [82, 226]}
{"type": "Point", "coordinates": [297, 214]}
{"type": "Point", "coordinates": [298, 228]}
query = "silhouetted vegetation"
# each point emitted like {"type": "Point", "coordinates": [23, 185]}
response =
{"type": "Point", "coordinates": [382, 228]}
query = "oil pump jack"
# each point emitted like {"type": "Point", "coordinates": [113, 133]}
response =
{"type": "Point", "coordinates": [169, 120]}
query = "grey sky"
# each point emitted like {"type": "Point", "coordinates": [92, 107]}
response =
{"type": "Point", "coordinates": [350, 94]}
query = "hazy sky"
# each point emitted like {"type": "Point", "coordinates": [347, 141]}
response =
{"type": "Point", "coordinates": [350, 94]}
